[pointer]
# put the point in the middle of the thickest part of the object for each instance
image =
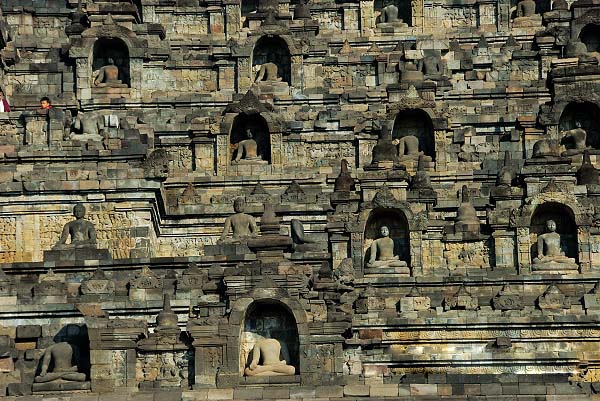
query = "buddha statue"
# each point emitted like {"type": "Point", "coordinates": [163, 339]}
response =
{"type": "Point", "coordinates": [301, 241]}
{"type": "Point", "coordinates": [587, 173]}
{"type": "Point", "coordinates": [242, 224]}
{"type": "Point", "coordinates": [56, 364]}
{"type": "Point", "coordinates": [108, 76]}
{"type": "Point", "coordinates": [574, 139]}
{"type": "Point", "coordinates": [270, 357]}
{"type": "Point", "coordinates": [81, 231]}
{"type": "Point", "coordinates": [268, 72]}
{"type": "Point", "coordinates": [421, 179]}
{"type": "Point", "coordinates": [384, 152]}
{"type": "Point", "coordinates": [382, 252]}
{"type": "Point", "coordinates": [389, 14]}
{"type": "Point", "coordinates": [431, 65]}
{"type": "Point", "coordinates": [87, 126]}
{"type": "Point", "coordinates": [546, 148]}
{"type": "Point", "coordinates": [408, 148]}
{"type": "Point", "coordinates": [247, 150]}
{"type": "Point", "coordinates": [466, 216]}
{"type": "Point", "coordinates": [344, 182]}
{"type": "Point", "coordinates": [550, 256]}
{"type": "Point", "coordinates": [525, 8]}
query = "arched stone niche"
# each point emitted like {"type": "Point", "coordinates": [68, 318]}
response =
{"type": "Point", "coordinates": [256, 305]}
{"type": "Point", "coordinates": [395, 221]}
{"type": "Point", "coordinates": [405, 224]}
{"type": "Point", "coordinates": [257, 115]}
{"type": "Point", "coordinates": [417, 123]}
{"type": "Point", "coordinates": [565, 227]}
{"type": "Point", "coordinates": [93, 48]}
{"type": "Point", "coordinates": [272, 49]}
{"type": "Point", "coordinates": [115, 49]}
{"type": "Point", "coordinates": [590, 36]}
{"type": "Point", "coordinates": [572, 219]}
{"type": "Point", "coordinates": [585, 23]}
{"type": "Point", "coordinates": [404, 9]}
{"type": "Point", "coordinates": [268, 319]}
{"type": "Point", "coordinates": [586, 113]}
{"type": "Point", "coordinates": [260, 131]}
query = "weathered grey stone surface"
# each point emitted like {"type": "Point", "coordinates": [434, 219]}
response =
{"type": "Point", "coordinates": [237, 161]}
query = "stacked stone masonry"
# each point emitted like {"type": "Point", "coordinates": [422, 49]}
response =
{"type": "Point", "coordinates": [300, 199]}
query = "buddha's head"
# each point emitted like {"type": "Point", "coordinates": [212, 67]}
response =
{"type": "Point", "coordinates": [551, 226]}
{"type": "Point", "coordinates": [79, 211]}
{"type": "Point", "coordinates": [239, 205]}
{"type": "Point", "coordinates": [385, 232]}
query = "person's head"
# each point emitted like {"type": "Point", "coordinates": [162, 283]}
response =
{"type": "Point", "coordinates": [551, 226]}
{"type": "Point", "coordinates": [578, 124]}
{"type": "Point", "coordinates": [248, 133]}
{"type": "Point", "coordinates": [1, 94]}
{"type": "Point", "coordinates": [45, 102]}
{"type": "Point", "coordinates": [79, 211]}
{"type": "Point", "coordinates": [385, 232]}
{"type": "Point", "coordinates": [239, 204]}
{"type": "Point", "coordinates": [111, 61]}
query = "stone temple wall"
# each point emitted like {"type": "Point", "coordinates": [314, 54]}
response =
{"type": "Point", "coordinates": [469, 129]}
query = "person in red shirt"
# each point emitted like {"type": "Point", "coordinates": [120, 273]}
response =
{"type": "Point", "coordinates": [45, 103]}
{"type": "Point", "coordinates": [4, 106]}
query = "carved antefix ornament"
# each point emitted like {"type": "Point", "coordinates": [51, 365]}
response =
{"type": "Point", "coordinates": [145, 280]}
{"type": "Point", "coordinates": [98, 284]}
{"type": "Point", "coordinates": [461, 300]}
{"type": "Point", "coordinates": [553, 298]}
{"type": "Point", "coordinates": [507, 299]}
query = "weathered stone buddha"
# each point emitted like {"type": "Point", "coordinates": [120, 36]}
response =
{"type": "Point", "coordinates": [247, 151]}
{"type": "Point", "coordinates": [466, 215]}
{"type": "Point", "coordinates": [575, 140]}
{"type": "Point", "coordinates": [411, 75]}
{"type": "Point", "coordinates": [303, 242]}
{"type": "Point", "coordinates": [268, 72]}
{"type": "Point", "coordinates": [421, 179]}
{"type": "Point", "coordinates": [389, 14]}
{"type": "Point", "coordinates": [87, 126]}
{"type": "Point", "coordinates": [108, 76]}
{"type": "Point", "coordinates": [546, 148]}
{"type": "Point", "coordinates": [408, 148]}
{"type": "Point", "coordinates": [550, 256]}
{"type": "Point", "coordinates": [270, 357]}
{"type": "Point", "coordinates": [587, 173]}
{"type": "Point", "coordinates": [384, 152]}
{"type": "Point", "coordinates": [431, 65]}
{"type": "Point", "coordinates": [243, 225]}
{"type": "Point", "coordinates": [81, 232]}
{"type": "Point", "coordinates": [525, 8]}
{"type": "Point", "coordinates": [382, 252]}
{"type": "Point", "coordinates": [56, 365]}
{"type": "Point", "coordinates": [526, 15]}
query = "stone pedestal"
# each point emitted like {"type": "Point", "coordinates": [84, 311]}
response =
{"type": "Point", "coordinates": [59, 255]}
{"type": "Point", "coordinates": [60, 385]}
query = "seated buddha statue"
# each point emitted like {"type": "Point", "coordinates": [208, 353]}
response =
{"type": "Point", "coordinates": [382, 252]}
{"type": "Point", "coordinates": [550, 256]}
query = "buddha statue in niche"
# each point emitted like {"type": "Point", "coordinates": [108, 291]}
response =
{"type": "Point", "coordinates": [550, 256]}
{"type": "Point", "coordinates": [108, 76]}
{"type": "Point", "coordinates": [574, 139]}
{"type": "Point", "coordinates": [382, 252]}
{"type": "Point", "coordinates": [408, 148]}
{"type": "Point", "coordinates": [56, 364]}
{"type": "Point", "coordinates": [247, 150]}
{"type": "Point", "coordinates": [269, 357]}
